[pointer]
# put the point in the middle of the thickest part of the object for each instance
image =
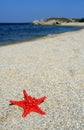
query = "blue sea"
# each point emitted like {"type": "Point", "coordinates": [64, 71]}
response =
{"type": "Point", "coordinates": [13, 33]}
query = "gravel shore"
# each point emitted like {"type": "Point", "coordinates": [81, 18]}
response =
{"type": "Point", "coordinates": [52, 66]}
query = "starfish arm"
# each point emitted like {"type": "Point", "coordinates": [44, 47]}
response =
{"type": "Point", "coordinates": [18, 103]}
{"type": "Point", "coordinates": [29, 104]}
{"type": "Point", "coordinates": [26, 111]}
{"type": "Point", "coordinates": [25, 94]}
{"type": "Point", "coordinates": [40, 100]}
{"type": "Point", "coordinates": [38, 110]}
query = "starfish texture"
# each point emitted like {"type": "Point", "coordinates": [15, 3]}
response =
{"type": "Point", "coordinates": [29, 104]}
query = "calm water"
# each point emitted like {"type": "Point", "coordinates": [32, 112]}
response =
{"type": "Point", "coordinates": [13, 33]}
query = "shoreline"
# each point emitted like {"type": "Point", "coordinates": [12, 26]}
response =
{"type": "Point", "coordinates": [51, 67]}
{"type": "Point", "coordinates": [74, 24]}
{"type": "Point", "coordinates": [49, 35]}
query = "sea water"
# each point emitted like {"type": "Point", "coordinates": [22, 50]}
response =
{"type": "Point", "coordinates": [17, 32]}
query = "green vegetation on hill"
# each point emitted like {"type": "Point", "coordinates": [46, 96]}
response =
{"type": "Point", "coordinates": [60, 19]}
{"type": "Point", "coordinates": [81, 20]}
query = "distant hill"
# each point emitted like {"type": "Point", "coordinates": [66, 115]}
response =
{"type": "Point", "coordinates": [56, 21]}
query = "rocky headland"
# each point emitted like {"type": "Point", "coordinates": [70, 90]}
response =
{"type": "Point", "coordinates": [57, 21]}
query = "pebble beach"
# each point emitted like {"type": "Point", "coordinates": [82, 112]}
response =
{"type": "Point", "coordinates": [51, 66]}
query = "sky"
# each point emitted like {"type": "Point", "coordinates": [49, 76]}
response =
{"type": "Point", "coordinates": [30, 10]}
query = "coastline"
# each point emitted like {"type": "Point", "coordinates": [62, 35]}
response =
{"type": "Point", "coordinates": [52, 66]}
{"type": "Point", "coordinates": [74, 24]}
{"type": "Point", "coordinates": [81, 25]}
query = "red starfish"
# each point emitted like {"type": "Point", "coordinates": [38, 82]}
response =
{"type": "Point", "coordinates": [29, 104]}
